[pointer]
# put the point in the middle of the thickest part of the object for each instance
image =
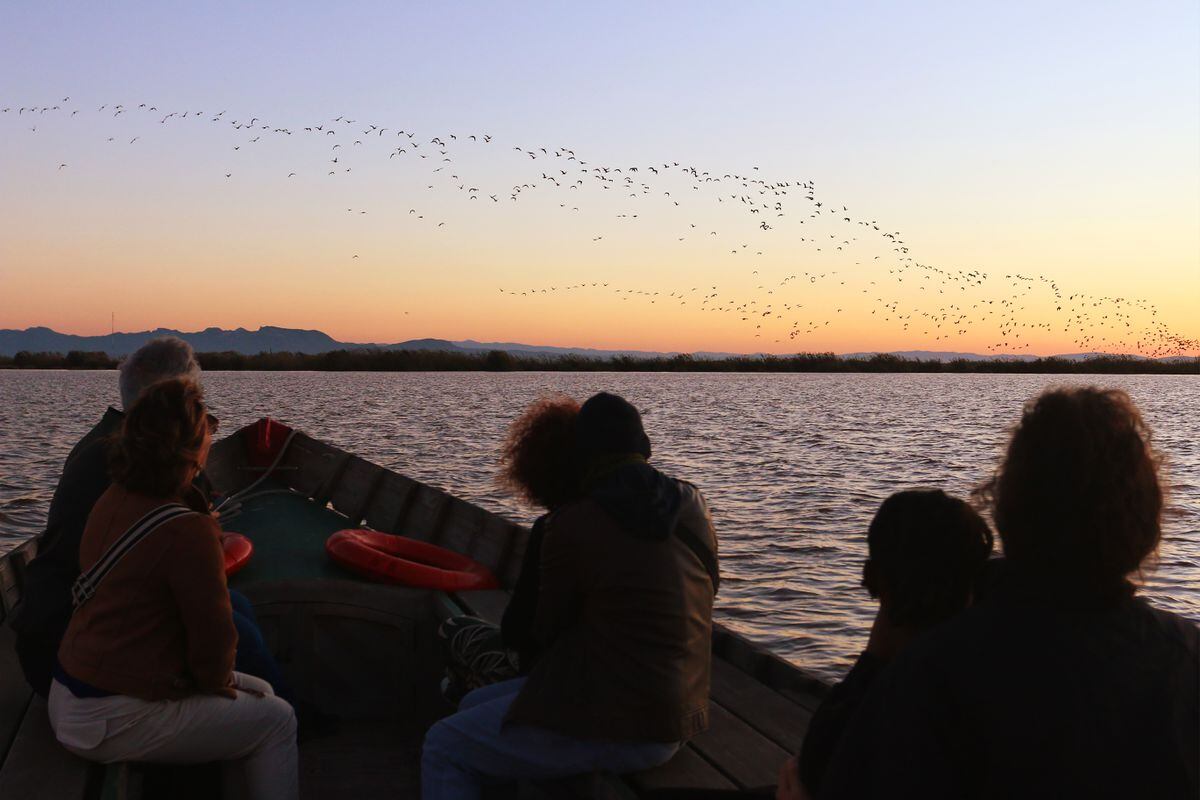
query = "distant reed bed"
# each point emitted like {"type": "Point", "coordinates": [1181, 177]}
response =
{"type": "Point", "coordinates": [376, 360]}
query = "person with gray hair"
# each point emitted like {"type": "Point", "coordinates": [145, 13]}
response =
{"type": "Point", "coordinates": [160, 359]}
{"type": "Point", "coordinates": [45, 609]}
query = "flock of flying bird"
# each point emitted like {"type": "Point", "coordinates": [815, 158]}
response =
{"type": "Point", "coordinates": [914, 297]}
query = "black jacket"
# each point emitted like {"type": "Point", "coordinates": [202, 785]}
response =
{"type": "Point", "coordinates": [624, 611]}
{"type": "Point", "coordinates": [45, 606]}
{"type": "Point", "coordinates": [516, 627]}
{"type": "Point", "coordinates": [644, 501]}
{"type": "Point", "coordinates": [1032, 694]}
{"type": "Point", "coordinates": [832, 717]}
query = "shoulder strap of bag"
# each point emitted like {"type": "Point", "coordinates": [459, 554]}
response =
{"type": "Point", "coordinates": [85, 585]}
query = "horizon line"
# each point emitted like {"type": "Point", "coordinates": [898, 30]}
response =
{"type": "Point", "coordinates": [609, 350]}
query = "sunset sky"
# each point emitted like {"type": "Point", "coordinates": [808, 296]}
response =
{"type": "Point", "coordinates": [1055, 142]}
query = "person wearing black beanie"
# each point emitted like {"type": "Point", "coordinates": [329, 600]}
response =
{"type": "Point", "coordinates": [610, 425]}
{"type": "Point", "coordinates": [623, 621]}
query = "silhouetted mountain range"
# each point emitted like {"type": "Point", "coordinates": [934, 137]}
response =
{"type": "Point", "coordinates": [293, 340]}
{"type": "Point", "coordinates": [209, 340]}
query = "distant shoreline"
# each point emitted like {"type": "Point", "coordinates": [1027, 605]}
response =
{"type": "Point", "coordinates": [501, 361]}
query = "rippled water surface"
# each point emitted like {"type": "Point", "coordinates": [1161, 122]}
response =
{"type": "Point", "coordinates": [792, 465]}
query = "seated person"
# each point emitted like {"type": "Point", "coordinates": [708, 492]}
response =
{"type": "Point", "coordinates": [925, 551]}
{"type": "Point", "coordinates": [41, 618]}
{"type": "Point", "coordinates": [1060, 681]}
{"type": "Point", "coordinates": [539, 464]}
{"type": "Point", "coordinates": [624, 617]}
{"type": "Point", "coordinates": [145, 670]}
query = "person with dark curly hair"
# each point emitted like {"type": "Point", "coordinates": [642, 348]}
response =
{"type": "Point", "coordinates": [1061, 681]}
{"type": "Point", "coordinates": [145, 671]}
{"type": "Point", "coordinates": [623, 619]}
{"type": "Point", "coordinates": [539, 463]}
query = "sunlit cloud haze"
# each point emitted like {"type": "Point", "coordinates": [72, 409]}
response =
{"type": "Point", "coordinates": [1055, 142]}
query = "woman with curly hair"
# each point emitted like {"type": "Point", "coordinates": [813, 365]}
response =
{"type": "Point", "coordinates": [1061, 681]}
{"type": "Point", "coordinates": [539, 464]}
{"type": "Point", "coordinates": [145, 671]}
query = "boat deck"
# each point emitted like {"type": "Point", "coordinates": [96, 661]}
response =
{"type": "Point", "coordinates": [368, 654]}
{"type": "Point", "coordinates": [364, 759]}
{"type": "Point", "coordinates": [754, 728]}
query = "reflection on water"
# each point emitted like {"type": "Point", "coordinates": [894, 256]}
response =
{"type": "Point", "coordinates": [792, 465]}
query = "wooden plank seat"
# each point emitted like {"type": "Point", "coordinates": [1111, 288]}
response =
{"type": "Point", "coordinates": [753, 728]}
{"type": "Point", "coordinates": [36, 765]}
{"type": "Point", "coordinates": [364, 756]}
{"type": "Point", "coordinates": [139, 780]}
{"type": "Point", "coordinates": [14, 692]}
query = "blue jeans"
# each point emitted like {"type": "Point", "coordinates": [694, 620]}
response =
{"type": "Point", "coordinates": [253, 657]}
{"type": "Point", "coordinates": [474, 747]}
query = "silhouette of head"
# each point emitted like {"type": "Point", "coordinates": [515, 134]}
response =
{"type": "Point", "coordinates": [927, 550]}
{"type": "Point", "coordinates": [160, 359]}
{"type": "Point", "coordinates": [610, 425]}
{"type": "Point", "coordinates": [1077, 500]}
{"type": "Point", "coordinates": [163, 441]}
{"type": "Point", "coordinates": [539, 460]}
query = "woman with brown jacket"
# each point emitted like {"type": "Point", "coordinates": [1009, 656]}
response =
{"type": "Point", "coordinates": [145, 670]}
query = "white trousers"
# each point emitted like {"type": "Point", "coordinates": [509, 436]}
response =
{"type": "Point", "coordinates": [255, 737]}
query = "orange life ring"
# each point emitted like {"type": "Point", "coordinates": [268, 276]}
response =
{"type": "Point", "coordinates": [399, 559]}
{"type": "Point", "coordinates": [238, 550]}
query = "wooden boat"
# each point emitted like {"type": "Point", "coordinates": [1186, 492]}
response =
{"type": "Point", "coordinates": [368, 653]}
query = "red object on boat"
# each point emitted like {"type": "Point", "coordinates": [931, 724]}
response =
{"type": "Point", "coordinates": [238, 550]}
{"type": "Point", "coordinates": [399, 559]}
{"type": "Point", "coordinates": [263, 440]}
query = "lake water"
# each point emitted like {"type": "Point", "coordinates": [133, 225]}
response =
{"type": "Point", "coordinates": [793, 466]}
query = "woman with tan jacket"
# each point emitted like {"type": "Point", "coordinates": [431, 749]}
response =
{"type": "Point", "coordinates": [145, 670]}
